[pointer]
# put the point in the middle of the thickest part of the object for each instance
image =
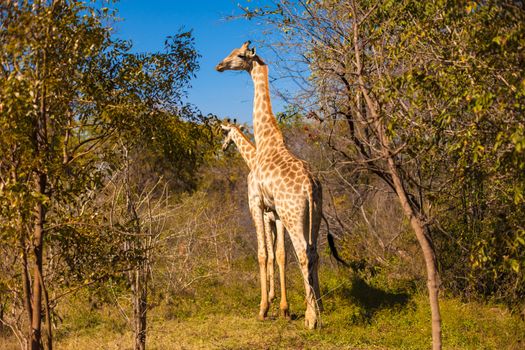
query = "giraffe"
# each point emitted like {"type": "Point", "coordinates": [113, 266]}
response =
{"type": "Point", "coordinates": [273, 227]}
{"type": "Point", "coordinates": [283, 183]}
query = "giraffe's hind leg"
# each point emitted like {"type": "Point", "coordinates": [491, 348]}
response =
{"type": "Point", "coordinates": [305, 245]}
{"type": "Point", "coordinates": [300, 247]}
{"type": "Point", "coordinates": [313, 267]}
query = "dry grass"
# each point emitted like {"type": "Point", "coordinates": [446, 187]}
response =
{"type": "Point", "coordinates": [493, 329]}
{"type": "Point", "coordinates": [358, 315]}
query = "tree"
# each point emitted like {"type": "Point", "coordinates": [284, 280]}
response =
{"type": "Point", "coordinates": [142, 198]}
{"type": "Point", "coordinates": [68, 89]}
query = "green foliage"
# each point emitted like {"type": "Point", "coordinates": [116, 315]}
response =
{"type": "Point", "coordinates": [473, 79]}
{"type": "Point", "coordinates": [461, 81]}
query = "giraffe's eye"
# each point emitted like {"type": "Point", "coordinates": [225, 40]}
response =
{"type": "Point", "coordinates": [241, 55]}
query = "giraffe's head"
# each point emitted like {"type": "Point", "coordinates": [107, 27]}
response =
{"type": "Point", "coordinates": [228, 130]}
{"type": "Point", "coordinates": [228, 139]}
{"type": "Point", "coordinates": [239, 59]}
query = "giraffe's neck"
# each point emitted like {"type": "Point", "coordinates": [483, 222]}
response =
{"type": "Point", "coordinates": [245, 146]}
{"type": "Point", "coordinates": [265, 128]}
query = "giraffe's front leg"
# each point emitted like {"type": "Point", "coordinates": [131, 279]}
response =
{"type": "Point", "coordinates": [256, 210]}
{"type": "Point", "coordinates": [269, 235]}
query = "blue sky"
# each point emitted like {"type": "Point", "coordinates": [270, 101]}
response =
{"type": "Point", "coordinates": [228, 94]}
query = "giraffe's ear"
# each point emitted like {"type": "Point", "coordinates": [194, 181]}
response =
{"type": "Point", "coordinates": [242, 128]}
{"type": "Point", "coordinates": [250, 52]}
{"type": "Point", "coordinates": [225, 128]}
{"type": "Point", "coordinates": [246, 45]}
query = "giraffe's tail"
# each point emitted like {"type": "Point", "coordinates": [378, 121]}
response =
{"type": "Point", "coordinates": [331, 243]}
{"type": "Point", "coordinates": [311, 210]}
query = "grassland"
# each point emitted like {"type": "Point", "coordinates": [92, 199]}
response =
{"type": "Point", "coordinates": [359, 314]}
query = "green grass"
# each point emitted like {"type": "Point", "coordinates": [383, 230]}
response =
{"type": "Point", "coordinates": [359, 314]}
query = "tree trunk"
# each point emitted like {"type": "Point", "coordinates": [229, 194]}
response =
{"type": "Point", "coordinates": [428, 254]}
{"type": "Point", "coordinates": [47, 315]}
{"type": "Point", "coordinates": [138, 278]}
{"type": "Point", "coordinates": [140, 303]}
{"type": "Point", "coordinates": [37, 287]}
{"type": "Point", "coordinates": [26, 287]}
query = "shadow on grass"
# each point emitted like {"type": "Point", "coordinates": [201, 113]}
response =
{"type": "Point", "coordinates": [371, 299]}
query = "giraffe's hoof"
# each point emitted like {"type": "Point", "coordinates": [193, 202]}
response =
{"type": "Point", "coordinates": [310, 324]}
{"type": "Point", "coordinates": [261, 317]}
{"type": "Point", "coordinates": [263, 314]}
{"type": "Point", "coordinates": [310, 319]}
{"type": "Point", "coordinates": [285, 313]}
